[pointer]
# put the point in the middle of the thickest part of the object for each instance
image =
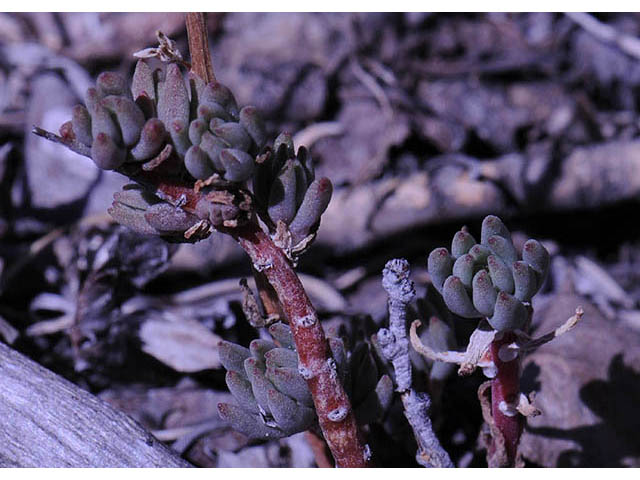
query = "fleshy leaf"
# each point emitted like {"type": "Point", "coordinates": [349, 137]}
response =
{"type": "Point", "coordinates": [105, 153]}
{"type": "Point", "coordinates": [152, 138]}
{"type": "Point", "coordinates": [509, 313]}
{"type": "Point", "coordinates": [501, 275]}
{"type": "Point", "coordinates": [525, 281]}
{"type": "Point", "coordinates": [461, 243]}
{"type": "Point", "coordinates": [241, 390]}
{"type": "Point", "coordinates": [246, 423]}
{"type": "Point", "coordinates": [484, 293]}
{"type": "Point", "coordinates": [439, 265]}
{"type": "Point", "coordinates": [503, 248]}
{"type": "Point", "coordinates": [282, 334]}
{"type": "Point", "coordinates": [315, 202]}
{"type": "Point", "coordinates": [457, 299]}
{"type": "Point", "coordinates": [463, 268]}
{"type": "Point", "coordinates": [492, 225]}
{"type": "Point", "coordinates": [232, 356]}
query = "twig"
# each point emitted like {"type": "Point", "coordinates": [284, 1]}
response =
{"type": "Point", "coordinates": [394, 342]}
{"type": "Point", "coordinates": [430, 453]}
{"type": "Point", "coordinates": [606, 33]}
{"type": "Point", "coordinates": [395, 347]}
{"type": "Point", "coordinates": [319, 449]}
{"type": "Point", "coordinates": [201, 63]}
{"type": "Point", "coordinates": [528, 343]}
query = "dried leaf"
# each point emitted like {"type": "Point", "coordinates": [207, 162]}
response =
{"type": "Point", "coordinates": [185, 345]}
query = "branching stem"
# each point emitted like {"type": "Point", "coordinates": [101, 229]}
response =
{"type": "Point", "coordinates": [318, 367]}
{"type": "Point", "coordinates": [395, 347]}
{"type": "Point", "coordinates": [329, 397]}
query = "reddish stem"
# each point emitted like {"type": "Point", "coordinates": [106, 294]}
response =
{"type": "Point", "coordinates": [505, 387]}
{"type": "Point", "coordinates": [320, 451]}
{"type": "Point", "coordinates": [332, 404]}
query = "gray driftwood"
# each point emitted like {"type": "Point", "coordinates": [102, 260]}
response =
{"type": "Point", "coordinates": [46, 421]}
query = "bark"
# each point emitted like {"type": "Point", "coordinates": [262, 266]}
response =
{"type": "Point", "coordinates": [46, 421]}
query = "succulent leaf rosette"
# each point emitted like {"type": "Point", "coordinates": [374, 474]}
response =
{"type": "Point", "coordinates": [272, 396]}
{"type": "Point", "coordinates": [489, 279]}
{"type": "Point", "coordinates": [196, 134]}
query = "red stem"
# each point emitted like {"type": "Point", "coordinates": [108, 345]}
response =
{"type": "Point", "coordinates": [505, 387]}
{"type": "Point", "coordinates": [332, 404]}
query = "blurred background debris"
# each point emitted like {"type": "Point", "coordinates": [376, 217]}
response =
{"type": "Point", "coordinates": [423, 122]}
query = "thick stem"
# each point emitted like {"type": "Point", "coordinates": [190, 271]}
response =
{"type": "Point", "coordinates": [505, 390]}
{"type": "Point", "coordinates": [199, 46]}
{"type": "Point", "coordinates": [317, 366]}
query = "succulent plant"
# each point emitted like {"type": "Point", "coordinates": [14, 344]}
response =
{"type": "Point", "coordinates": [135, 208]}
{"type": "Point", "coordinates": [285, 182]}
{"type": "Point", "coordinates": [196, 131]}
{"type": "Point", "coordinates": [200, 163]}
{"type": "Point", "coordinates": [203, 123]}
{"type": "Point", "coordinates": [488, 279]}
{"type": "Point", "coordinates": [272, 396]}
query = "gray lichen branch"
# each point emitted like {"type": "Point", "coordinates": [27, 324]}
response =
{"type": "Point", "coordinates": [395, 347]}
{"type": "Point", "coordinates": [394, 342]}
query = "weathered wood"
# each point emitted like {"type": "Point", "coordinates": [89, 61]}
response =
{"type": "Point", "coordinates": [46, 421]}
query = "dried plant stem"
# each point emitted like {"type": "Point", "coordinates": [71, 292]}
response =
{"type": "Point", "coordinates": [268, 297]}
{"type": "Point", "coordinates": [71, 144]}
{"type": "Point", "coordinates": [395, 347]}
{"type": "Point", "coordinates": [505, 390]}
{"type": "Point", "coordinates": [201, 63]}
{"type": "Point", "coordinates": [317, 366]}
{"type": "Point", "coordinates": [333, 407]}
{"type": "Point", "coordinates": [320, 451]}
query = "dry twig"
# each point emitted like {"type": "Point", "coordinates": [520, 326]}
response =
{"type": "Point", "coordinates": [395, 347]}
{"type": "Point", "coordinates": [606, 33]}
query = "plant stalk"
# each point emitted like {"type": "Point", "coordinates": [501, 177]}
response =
{"type": "Point", "coordinates": [505, 389]}
{"type": "Point", "coordinates": [317, 366]}
{"type": "Point", "coordinates": [201, 63]}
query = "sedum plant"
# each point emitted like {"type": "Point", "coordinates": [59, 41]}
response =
{"type": "Point", "coordinates": [272, 397]}
{"type": "Point", "coordinates": [195, 133]}
{"type": "Point", "coordinates": [492, 282]}
{"type": "Point", "coordinates": [198, 163]}
{"type": "Point", "coordinates": [487, 279]}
